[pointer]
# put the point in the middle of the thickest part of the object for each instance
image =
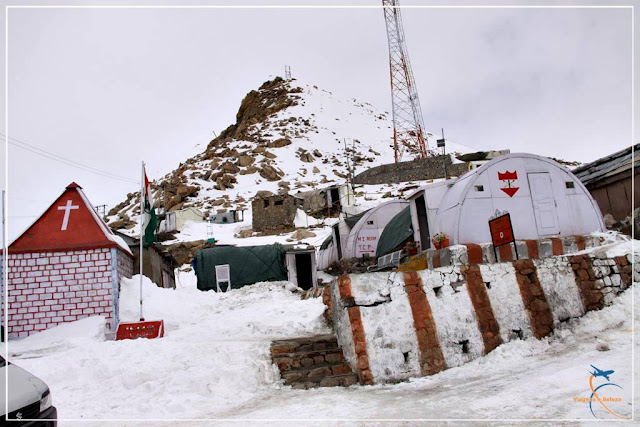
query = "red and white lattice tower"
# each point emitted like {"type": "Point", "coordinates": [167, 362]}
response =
{"type": "Point", "coordinates": [408, 128]}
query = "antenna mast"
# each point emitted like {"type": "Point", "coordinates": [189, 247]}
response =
{"type": "Point", "coordinates": [408, 128]}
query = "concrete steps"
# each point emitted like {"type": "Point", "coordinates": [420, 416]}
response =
{"type": "Point", "coordinates": [312, 362]}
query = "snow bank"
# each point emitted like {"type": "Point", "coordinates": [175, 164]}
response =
{"type": "Point", "coordinates": [65, 336]}
{"type": "Point", "coordinates": [214, 357]}
{"type": "Point", "coordinates": [303, 220]}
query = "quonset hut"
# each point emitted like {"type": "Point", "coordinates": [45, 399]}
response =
{"type": "Point", "coordinates": [543, 198]}
{"type": "Point", "coordinates": [358, 235]}
{"type": "Point", "coordinates": [66, 266]}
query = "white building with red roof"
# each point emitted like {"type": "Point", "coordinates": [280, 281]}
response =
{"type": "Point", "coordinates": [66, 266]}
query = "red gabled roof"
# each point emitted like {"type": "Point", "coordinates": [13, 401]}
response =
{"type": "Point", "coordinates": [70, 223]}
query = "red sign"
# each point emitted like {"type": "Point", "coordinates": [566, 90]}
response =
{"type": "Point", "coordinates": [133, 330]}
{"type": "Point", "coordinates": [508, 178]}
{"type": "Point", "coordinates": [501, 230]}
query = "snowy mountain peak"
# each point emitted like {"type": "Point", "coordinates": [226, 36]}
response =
{"type": "Point", "coordinates": [288, 137]}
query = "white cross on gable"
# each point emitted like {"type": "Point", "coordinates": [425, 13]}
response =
{"type": "Point", "coordinates": [67, 210]}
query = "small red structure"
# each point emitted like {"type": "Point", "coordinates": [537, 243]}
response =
{"type": "Point", "coordinates": [66, 266]}
{"type": "Point", "coordinates": [142, 329]}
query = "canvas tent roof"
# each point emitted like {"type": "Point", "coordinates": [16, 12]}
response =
{"type": "Point", "coordinates": [247, 264]}
{"type": "Point", "coordinates": [353, 220]}
{"type": "Point", "coordinates": [327, 242]}
{"type": "Point", "coordinates": [397, 231]}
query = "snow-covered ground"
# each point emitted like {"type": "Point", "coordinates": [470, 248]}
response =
{"type": "Point", "coordinates": [225, 234]}
{"type": "Point", "coordinates": [368, 196]}
{"type": "Point", "coordinates": [214, 357]}
{"type": "Point", "coordinates": [214, 363]}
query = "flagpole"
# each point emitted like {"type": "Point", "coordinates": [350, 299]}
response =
{"type": "Point", "coordinates": [141, 231]}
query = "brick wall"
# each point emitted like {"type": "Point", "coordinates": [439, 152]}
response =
{"type": "Point", "coordinates": [125, 265]}
{"type": "Point", "coordinates": [46, 289]}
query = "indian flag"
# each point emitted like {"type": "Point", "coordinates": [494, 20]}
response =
{"type": "Point", "coordinates": [149, 218]}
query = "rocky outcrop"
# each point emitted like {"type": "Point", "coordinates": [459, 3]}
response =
{"type": "Point", "coordinates": [257, 105]}
{"type": "Point", "coordinates": [264, 124]}
{"type": "Point", "coordinates": [184, 252]}
{"type": "Point", "coordinates": [270, 173]}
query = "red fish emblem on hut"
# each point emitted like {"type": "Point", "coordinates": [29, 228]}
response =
{"type": "Point", "coordinates": [508, 178]}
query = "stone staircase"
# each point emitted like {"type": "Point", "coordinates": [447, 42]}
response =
{"type": "Point", "coordinates": [312, 362]}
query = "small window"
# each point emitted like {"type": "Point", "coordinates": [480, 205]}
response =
{"type": "Point", "coordinates": [266, 203]}
{"type": "Point", "coordinates": [278, 202]}
{"type": "Point", "coordinates": [479, 187]}
{"type": "Point", "coordinates": [369, 222]}
{"type": "Point", "coordinates": [570, 184]}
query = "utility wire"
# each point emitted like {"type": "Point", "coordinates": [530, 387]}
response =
{"type": "Point", "coordinates": [25, 146]}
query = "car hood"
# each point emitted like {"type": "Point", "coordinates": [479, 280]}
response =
{"type": "Point", "coordinates": [24, 388]}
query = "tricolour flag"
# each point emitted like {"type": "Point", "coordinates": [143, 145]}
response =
{"type": "Point", "coordinates": [150, 220]}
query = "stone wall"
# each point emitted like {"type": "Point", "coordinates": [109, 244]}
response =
{"type": "Point", "coordinates": [274, 213]}
{"type": "Point", "coordinates": [472, 253]}
{"type": "Point", "coordinates": [398, 325]}
{"type": "Point", "coordinates": [415, 170]}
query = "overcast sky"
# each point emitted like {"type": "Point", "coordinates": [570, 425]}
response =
{"type": "Point", "coordinates": [110, 87]}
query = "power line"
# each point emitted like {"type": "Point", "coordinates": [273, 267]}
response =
{"type": "Point", "coordinates": [36, 150]}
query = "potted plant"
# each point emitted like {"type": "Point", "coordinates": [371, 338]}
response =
{"type": "Point", "coordinates": [411, 248]}
{"type": "Point", "coordinates": [440, 241]}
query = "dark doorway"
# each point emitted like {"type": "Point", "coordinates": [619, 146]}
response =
{"type": "Point", "coordinates": [423, 224]}
{"type": "Point", "coordinates": [335, 199]}
{"type": "Point", "coordinates": [336, 240]}
{"type": "Point", "coordinates": [303, 271]}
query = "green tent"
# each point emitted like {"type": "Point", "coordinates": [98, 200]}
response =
{"type": "Point", "coordinates": [395, 233]}
{"type": "Point", "coordinates": [247, 265]}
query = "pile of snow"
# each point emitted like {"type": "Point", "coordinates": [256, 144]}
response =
{"type": "Point", "coordinates": [63, 337]}
{"type": "Point", "coordinates": [214, 357]}
{"type": "Point", "coordinates": [303, 220]}
{"type": "Point", "coordinates": [225, 234]}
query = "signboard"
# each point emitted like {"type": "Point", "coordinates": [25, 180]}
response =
{"type": "Point", "coordinates": [502, 232]}
{"type": "Point", "coordinates": [367, 242]}
{"type": "Point", "coordinates": [133, 330]}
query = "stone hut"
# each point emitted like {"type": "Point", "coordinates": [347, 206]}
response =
{"type": "Point", "coordinates": [274, 212]}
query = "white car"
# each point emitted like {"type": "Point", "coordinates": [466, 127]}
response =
{"type": "Point", "coordinates": [29, 398]}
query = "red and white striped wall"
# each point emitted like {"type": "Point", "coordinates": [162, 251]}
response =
{"type": "Point", "coordinates": [397, 325]}
{"type": "Point", "coordinates": [472, 253]}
